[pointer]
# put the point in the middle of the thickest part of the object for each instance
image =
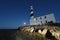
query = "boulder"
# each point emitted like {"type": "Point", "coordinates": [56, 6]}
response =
{"type": "Point", "coordinates": [42, 32]}
{"type": "Point", "coordinates": [55, 33]}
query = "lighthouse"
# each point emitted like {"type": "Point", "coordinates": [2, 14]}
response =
{"type": "Point", "coordinates": [31, 15]}
{"type": "Point", "coordinates": [31, 12]}
{"type": "Point", "coordinates": [40, 19]}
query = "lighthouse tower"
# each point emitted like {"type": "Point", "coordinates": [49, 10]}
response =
{"type": "Point", "coordinates": [31, 12]}
{"type": "Point", "coordinates": [31, 16]}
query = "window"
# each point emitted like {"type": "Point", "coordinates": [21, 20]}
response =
{"type": "Point", "coordinates": [40, 18]}
{"type": "Point", "coordinates": [35, 19]}
{"type": "Point", "coordinates": [46, 21]}
{"type": "Point", "coordinates": [45, 17]}
{"type": "Point", "coordinates": [41, 21]}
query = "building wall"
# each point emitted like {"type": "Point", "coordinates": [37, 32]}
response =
{"type": "Point", "coordinates": [42, 19]}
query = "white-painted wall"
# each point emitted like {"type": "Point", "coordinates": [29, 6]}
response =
{"type": "Point", "coordinates": [37, 20]}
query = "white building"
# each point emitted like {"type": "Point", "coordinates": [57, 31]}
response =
{"type": "Point", "coordinates": [41, 19]}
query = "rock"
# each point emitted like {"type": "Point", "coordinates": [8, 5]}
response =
{"type": "Point", "coordinates": [42, 32]}
{"type": "Point", "coordinates": [31, 29]}
{"type": "Point", "coordinates": [55, 33]}
{"type": "Point", "coordinates": [49, 35]}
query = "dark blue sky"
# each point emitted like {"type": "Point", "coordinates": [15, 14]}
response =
{"type": "Point", "coordinates": [14, 13]}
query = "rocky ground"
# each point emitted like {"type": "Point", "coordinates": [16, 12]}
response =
{"type": "Point", "coordinates": [34, 32]}
{"type": "Point", "coordinates": [52, 33]}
